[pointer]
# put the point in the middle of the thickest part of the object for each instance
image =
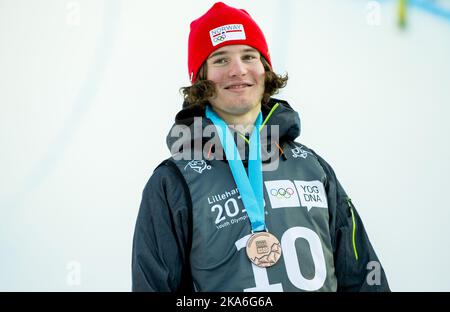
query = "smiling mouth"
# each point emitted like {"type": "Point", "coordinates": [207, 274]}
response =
{"type": "Point", "coordinates": [238, 86]}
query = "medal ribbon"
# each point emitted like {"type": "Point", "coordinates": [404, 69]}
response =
{"type": "Point", "coordinates": [250, 187]}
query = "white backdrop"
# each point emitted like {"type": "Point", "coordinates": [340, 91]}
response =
{"type": "Point", "coordinates": [89, 89]}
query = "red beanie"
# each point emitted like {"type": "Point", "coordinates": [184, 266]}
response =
{"type": "Point", "coordinates": [222, 25]}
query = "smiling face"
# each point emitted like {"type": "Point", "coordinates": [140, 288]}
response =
{"type": "Point", "coordinates": [238, 74]}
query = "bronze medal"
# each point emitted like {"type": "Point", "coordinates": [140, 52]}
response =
{"type": "Point", "coordinates": [263, 249]}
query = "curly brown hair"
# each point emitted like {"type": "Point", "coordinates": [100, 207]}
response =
{"type": "Point", "coordinates": [203, 89]}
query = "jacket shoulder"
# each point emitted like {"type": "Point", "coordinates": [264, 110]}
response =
{"type": "Point", "coordinates": [166, 176]}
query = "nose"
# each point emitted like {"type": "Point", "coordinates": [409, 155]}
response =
{"type": "Point", "coordinates": [237, 68]}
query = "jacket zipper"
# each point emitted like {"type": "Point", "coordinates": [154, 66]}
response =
{"type": "Point", "coordinates": [350, 206]}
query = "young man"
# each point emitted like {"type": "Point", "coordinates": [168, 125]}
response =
{"type": "Point", "coordinates": [241, 222]}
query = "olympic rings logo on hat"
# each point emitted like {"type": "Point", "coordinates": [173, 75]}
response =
{"type": "Point", "coordinates": [222, 37]}
{"type": "Point", "coordinates": [282, 192]}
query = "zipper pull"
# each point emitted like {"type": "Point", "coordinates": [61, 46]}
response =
{"type": "Point", "coordinates": [350, 206]}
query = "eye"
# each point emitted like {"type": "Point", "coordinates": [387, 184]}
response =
{"type": "Point", "coordinates": [219, 61]}
{"type": "Point", "coordinates": [249, 57]}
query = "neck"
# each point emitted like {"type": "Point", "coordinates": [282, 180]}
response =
{"type": "Point", "coordinates": [240, 122]}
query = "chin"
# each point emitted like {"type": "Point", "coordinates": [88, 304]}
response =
{"type": "Point", "coordinates": [234, 106]}
{"type": "Point", "coordinates": [243, 103]}
{"type": "Point", "coordinates": [241, 108]}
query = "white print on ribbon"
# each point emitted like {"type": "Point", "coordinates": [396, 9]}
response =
{"type": "Point", "coordinates": [282, 193]}
{"type": "Point", "coordinates": [312, 194]}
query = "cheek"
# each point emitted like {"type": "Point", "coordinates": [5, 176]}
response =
{"type": "Point", "coordinates": [214, 76]}
{"type": "Point", "coordinates": [260, 74]}
{"type": "Point", "coordinates": [261, 77]}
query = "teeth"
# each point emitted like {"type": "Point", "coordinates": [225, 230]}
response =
{"type": "Point", "coordinates": [238, 86]}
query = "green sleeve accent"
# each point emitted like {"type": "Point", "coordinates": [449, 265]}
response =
{"type": "Point", "coordinates": [349, 201]}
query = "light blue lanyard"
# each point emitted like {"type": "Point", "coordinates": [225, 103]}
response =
{"type": "Point", "coordinates": [250, 187]}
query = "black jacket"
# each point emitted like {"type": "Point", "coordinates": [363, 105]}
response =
{"type": "Point", "coordinates": [163, 233]}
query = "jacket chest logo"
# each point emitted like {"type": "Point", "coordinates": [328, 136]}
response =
{"type": "Point", "coordinates": [285, 193]}
{"type": "Point", "coordinates": [198, 165]}
{"type": "Point", "coordinates": [299, 152]}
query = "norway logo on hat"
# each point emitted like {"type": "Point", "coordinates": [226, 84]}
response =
{"type": "Point", "coordinates": [226, 33]}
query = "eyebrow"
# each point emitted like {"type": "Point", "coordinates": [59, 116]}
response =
{"type": "Point", "coordinates": [218, 53]}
